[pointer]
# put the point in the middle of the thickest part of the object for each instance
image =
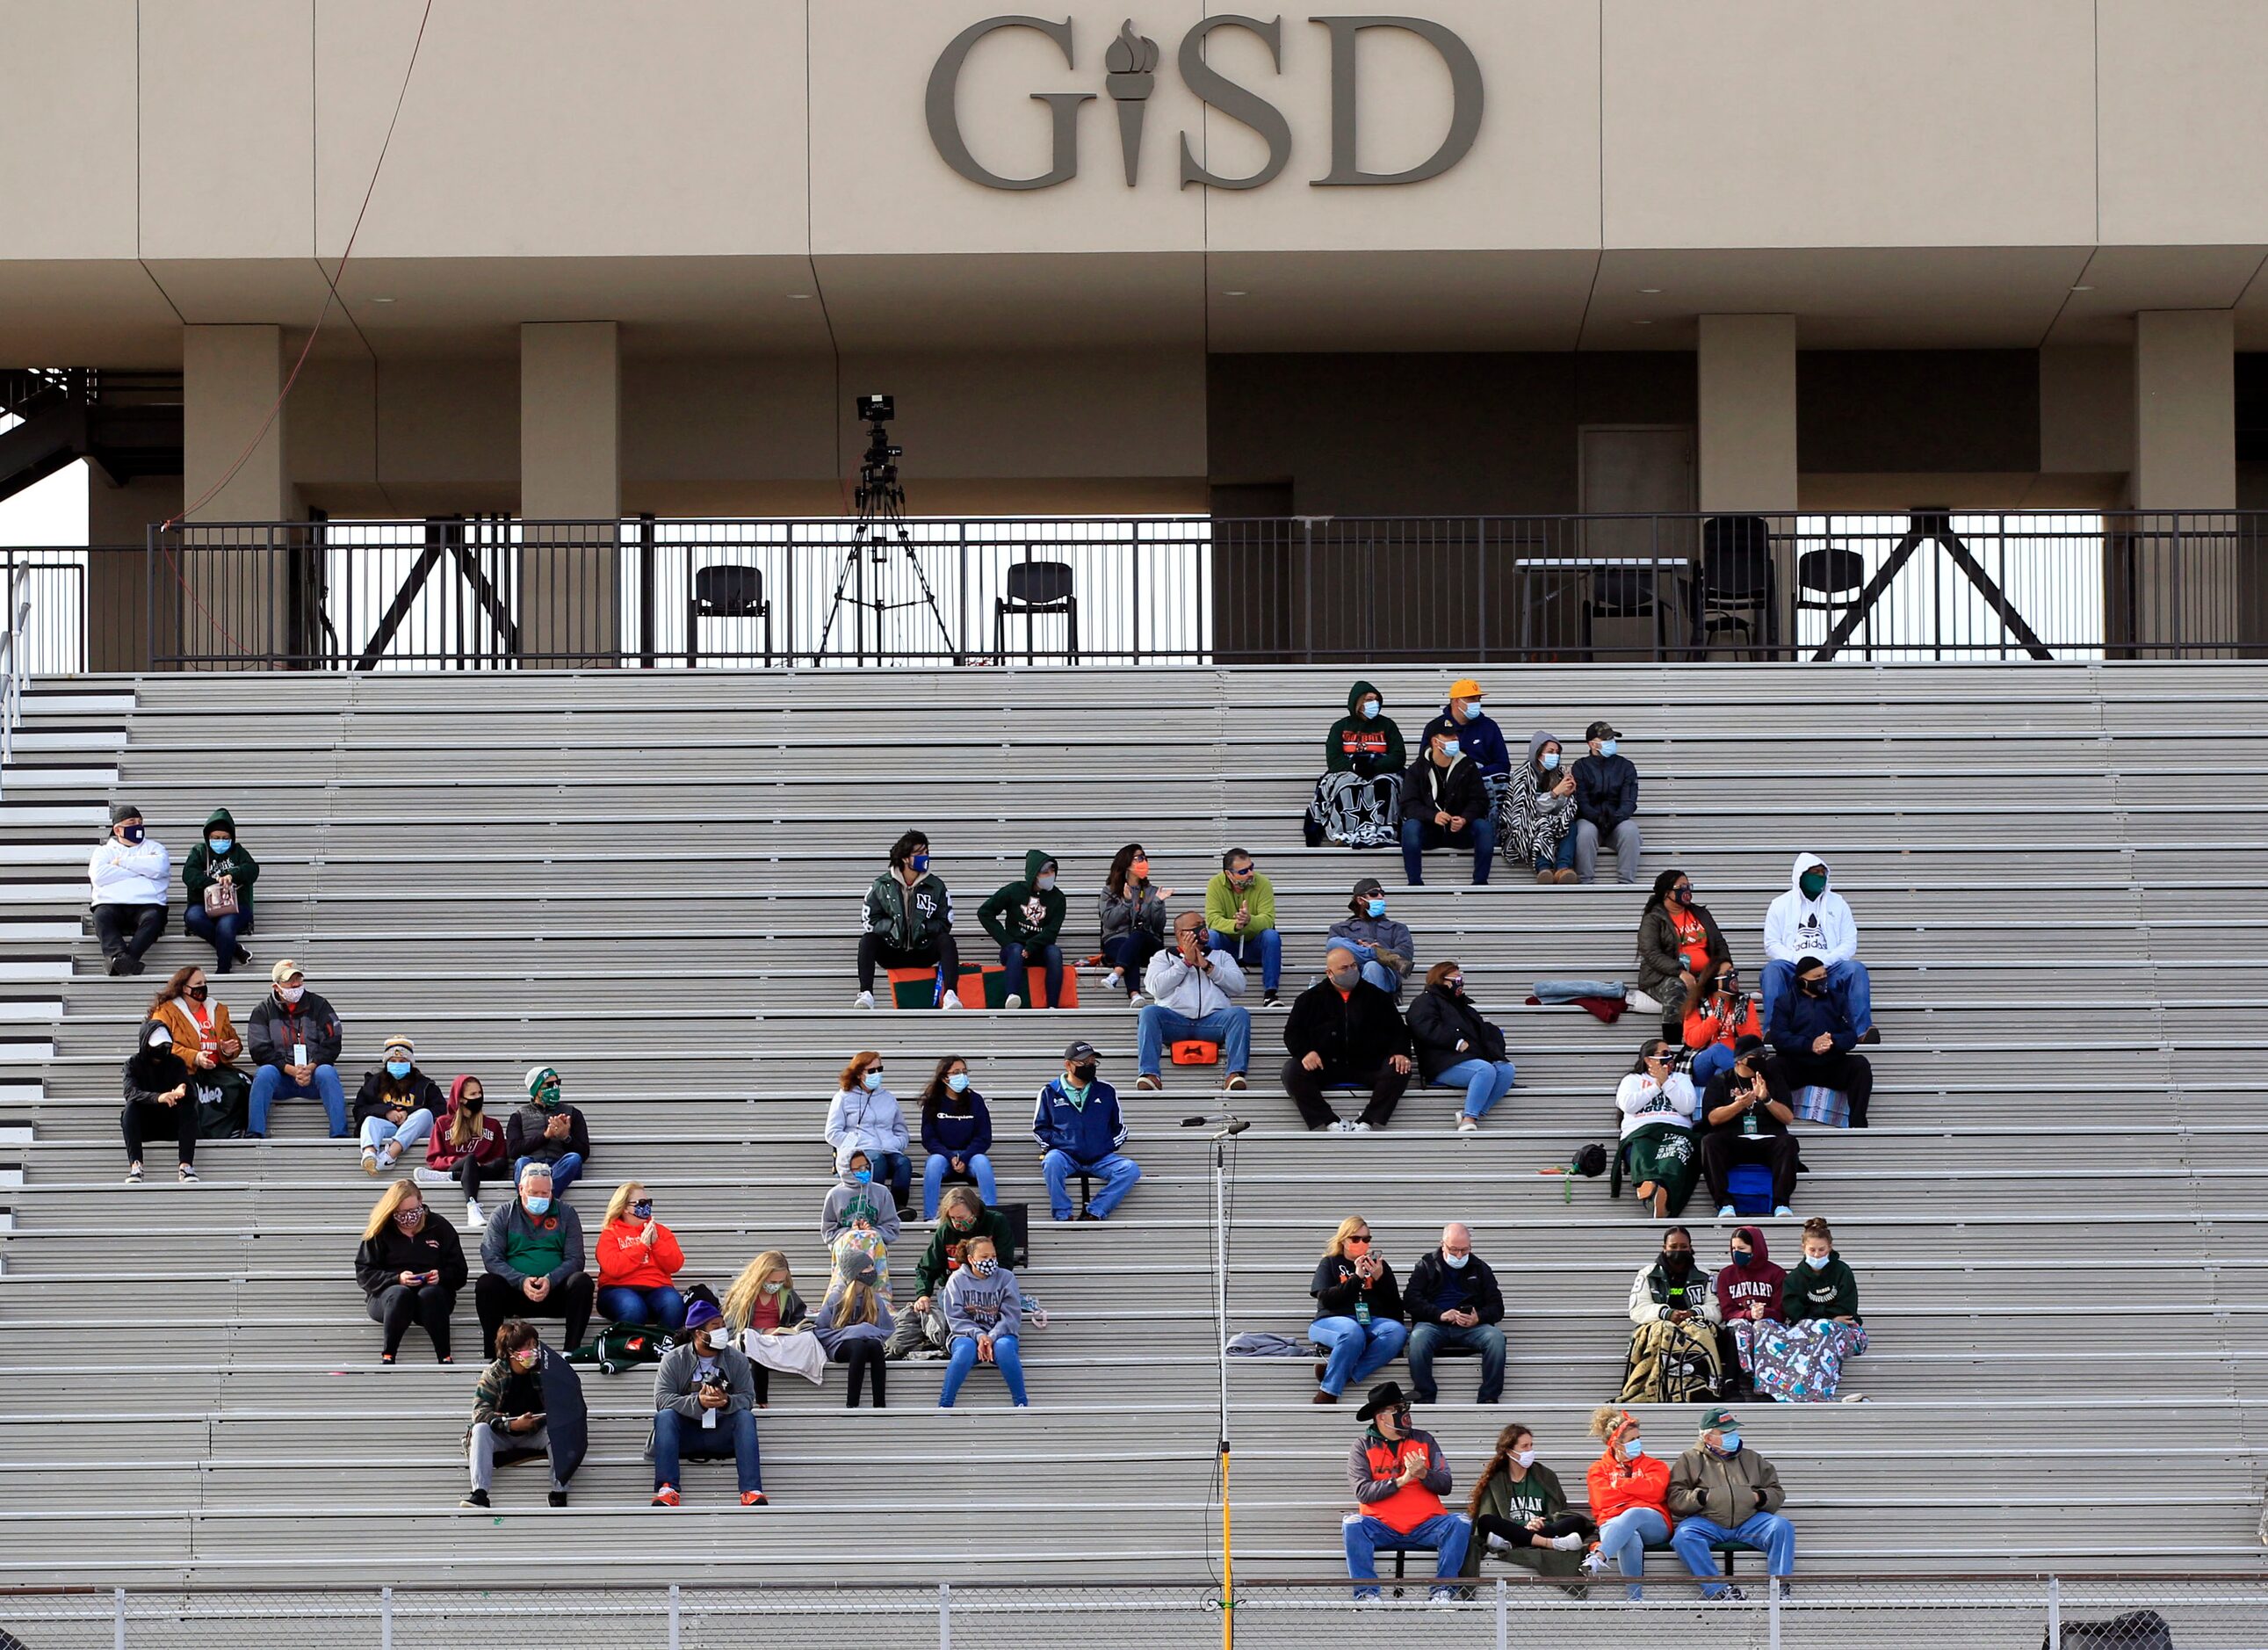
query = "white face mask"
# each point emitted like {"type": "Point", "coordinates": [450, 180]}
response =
{"type": "Point", "coordinates": [289, 994]}
{"type": "Point", "coordinates": [1526, 1458]}
{"type": "Point", "coordinates": [1455, 1262]}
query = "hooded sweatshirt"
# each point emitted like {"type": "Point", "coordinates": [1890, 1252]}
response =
{"type": "Point", "coordinates": [487, 1146]}
{"type": "Point", "coordinates": [1616, 1487]}
{"type": "Point", "coordinates": [1364, 745]}
{"type": "Point", "coordinates": [203, 867]}
{"type": "Point", "coordinates": [1428, 788]}
{"type": "Point", "coordinates": [1022, 913]}
{"type": "Point", "coordinates": [129, 873]}
{"type": "Point", "coordinates": [981, 1306]}
{"type": "Point", "coordinates": [1821, 1290]}
{"type": "Point", "coordinates": [958, 1125]}
{"type": "Point", "coordinates": [625, 1258]}
{"type": "Point", "coordinates": [848, 1199]}
{"type": "Point", "coordinates": [150, 1072]}
{"type": "Point", "coordinates": [1759, 1281]}
{"type": "Point", "coordinates": [871, 1119]}
{"type": "Point", "coordinates": [1535, 822]}
{"type": "Point", "coordinates": [1797, 927]}
{"type": "Point", "coordinates": [942, 1258]}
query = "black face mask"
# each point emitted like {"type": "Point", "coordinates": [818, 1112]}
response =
{"type": "Point", "coordinates": [1083, 1073]}
{"type": "Point", "coordinates": [473, 1104]}
{"type": "Point", "coordinates": [197, 993]}
{"type": "Point", "coordinates": [1814, 984]}
{"type": "Point", "coordinates": [1678, 1260]}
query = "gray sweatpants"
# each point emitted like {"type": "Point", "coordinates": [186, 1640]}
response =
{"type": "Point", "coordinates": [1627, 841]}
{"type": "Point", "coordinates": [488, 1447]}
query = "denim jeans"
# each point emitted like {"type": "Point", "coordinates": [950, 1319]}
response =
{"type": "Point", "coordinates": [1418, 835]}
{"type": "Point", "coordinates": [1768, 1532]}
{"type": "Point", "coordinates": [1230, 1027]}
{"type": "Point", "coordinates": [220, 932]}
{"type": "Point", "coordinates": [1014, 959]}
{"type": "Point", "coordinates": [734, 1435]}
{"type": "Point", "coordinates": [376, 1131]}
{"type": "Point", "coordinates": [1623, 1539]}
{"type": "Point", "coordinates": [1117, 1174]}
{"type": "Point", "coordinates": [1484, 1082]}
{"type": "Point", "coordinates": [566, 1169]}
{"type": "Point", "coordinates": [963, 1359]}
{"type": "Point", "coordinates": [933, 1174]}
{"type": "Point", "coordinates": [1849, 987]}
{"type": "Point", "coordinates": [658, 1305]}
{"type": "Point", "coordinates": [1426, 1341]}
{"type": "Point", "coordinates": [1383, 977]}
{"type": "Point", "coordinates": [1265, 947]}
{"type": "Point", "coordinates": [1356, 1353]}
{"type": "Point", "coordinates": [1130, 954]}
{"type": "Point", "coordinates": [1559, 859]}
{"type": "Point", "coordinates": [1706, 1063]}
{"type": "Point", "coordinates": [1626, 841]}
{"type": "Point", "coordinates": [270, 1085]}
{"type": "Point", "coordinates": [1446, 1534]}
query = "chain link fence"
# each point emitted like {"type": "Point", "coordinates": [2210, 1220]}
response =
{"type": "Point", "coordinates": [2000, 1612]}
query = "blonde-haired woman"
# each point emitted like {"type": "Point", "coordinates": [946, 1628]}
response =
{"type": "Point", "coordinates": [410, 1266]}
{"type": "Point", "coordinates": [1357, 1312]}
{"type": "Point", "coordinates": [851, 1325]}
{"type": "Point", "coordinates": [1630, 1496]}
{"type": "Point", "coordinates": [865, 1114]}
{"type": "Point", "coordinates": [638, 1263]}
{"type": "Point", "coordinates": [764, 1309]}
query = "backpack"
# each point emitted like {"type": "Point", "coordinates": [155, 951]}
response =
{"type": "Point", "coordinates": [223, 1098]}
{"type": "Point", "coordinates": [2137, 1629]}
{"type": "Point", "coordinates": [1672, 1363]}
{"type": "Point", "coordinates": [619, 1346]}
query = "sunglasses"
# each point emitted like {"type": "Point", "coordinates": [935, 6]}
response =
{"type": "Point", "coordinates": [1364, 1239]}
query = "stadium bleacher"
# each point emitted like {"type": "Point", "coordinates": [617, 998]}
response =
{"type": "Point", "coordinates": [650, 881]}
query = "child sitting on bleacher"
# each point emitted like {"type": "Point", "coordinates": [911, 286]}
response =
{"type": "Point", "coordinates": [983, 1310]}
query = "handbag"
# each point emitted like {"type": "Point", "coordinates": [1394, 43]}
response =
{"type": "Point", "coordinates": [220, 900]}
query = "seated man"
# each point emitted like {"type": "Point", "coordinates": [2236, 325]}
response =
{"type": "Point", "coordinates": [1384, 947]}
{"type": "Point", "coordinates": [1359, 795]}
{"type": "Point", "coordinates": [1344, 1029]}
{"type": "Point", "coordinates": [294, 1039]}
{"type": "Point", "coordinates": [1399, 1476]}
{"type": "Point", "coordinates": [129, 877]}
{"type": "Point", "coordinates": [1193, 991]}
{"type": "Point", "coordinates": [1444, 804]}
{"type": "Point", "coordinates": [1813, 1039]}
{"type": "Point", "coordinates": [529, 1402]}
{"type": "Point", "coordinates": [1722, 1491]}
{"type": "Point", "coordinates": [1077, 1124]}
{"type": "Point", "coordinates": [704, 1405]}
{"type": "Point", "coordinates": [1024, 918]}
{"type": "Point", "coordinates": [550, 1131]}
{"type": "Point", "coordinates": [1453, 1300]}
{"type": "Point", "coordinates": [906, 922]}
{"type": "Point", "coordinates": [1241, 912]}
{"type": "Point", "coordinates": [531, 1257]}
{"type": "Point", "coordinates": [1812, 920]}
{"type": "Point", "coordinates": [1744, 1118]}
{"type": "Point", "coordinates": [1606, 805]}
{"type": "Point", "coordinates": [1477, 732]}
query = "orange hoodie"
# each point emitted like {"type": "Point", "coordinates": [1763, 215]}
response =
{"type": "Point", "coordinates": [1617, 1486]}
{"type": "Point", "coordinates": [623, 1260]}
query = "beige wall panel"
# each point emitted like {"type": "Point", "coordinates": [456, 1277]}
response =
{"type": "Point", "coordinates": [227, 120]}
{"type": "Point", "coordinates": [726, 419]}
{"type": "Point", "coordinates": [2184, 120]}
{"type": "Point", "coordinates": [1848, 124]}
{"type": "Point", "coordinates": [1747, 412]}
{"type": "Point", "coordinates": [477, 445]}
{"type": "Point", "coordinates": [67, 174]}
{"type": "Point", "coordinates": [334, 422]}
{"type": "Point", "coordinates": [2185, 410]}
{"type": "Point", "coordinates": [557, 127]}
{"type": "Point", "coordinates": [231, 376]}
{"type": "Point", "coordinates": [2086, 409]}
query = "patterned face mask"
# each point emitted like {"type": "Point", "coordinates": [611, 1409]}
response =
{"type": "Point", "coordinates": [984, 1268]}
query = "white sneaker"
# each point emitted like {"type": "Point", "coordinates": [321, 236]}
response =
{"type": "Point", "coordinates": [1140, 999]}
{"type": "Point", "coordinates": [1725, 1213]}
{"type": "Point", "coordinates": [1594, 1563]}
{"type": "Point", "coordinates": [865, 999]}
{"type": "Point", "coordinates": [1467, 1123]}
{"type": "Point", "coordinates": [425, 1177]}
{"type": "Point", "coordinates": [1012, 1001]}
{"type": "Point", "coordinates": [952, 1000]}
{"type": "Point", "coordinates": [1361, 1127]}
{"type": "Point", "coordinates": [1569, 1543]}
{"type": "Point", "coordinates": [1640, 1001]}
{"type": "Point", "coordinates": [1114, 980]}
{"type": "Point", "coordinates": [474, 1215]}
{"type": "Point", "coordinates": [1339, 1125]}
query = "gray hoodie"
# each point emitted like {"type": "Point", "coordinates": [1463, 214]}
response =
{"type": "Point", "coordinates": [981, 1306]}
{"type": "Point", "coordinates": [675, 1378]}
{"type": "Point", "coordinates": [848, 1200]}
{"type": "Point", "coordinates": [832, 1334]}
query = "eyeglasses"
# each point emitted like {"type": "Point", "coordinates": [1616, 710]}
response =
{"type": "Point", "coordinates": [1359, 1237]}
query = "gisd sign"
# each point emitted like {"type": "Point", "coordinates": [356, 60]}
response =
{"type": "Point", "coordinates": [1130, 76]}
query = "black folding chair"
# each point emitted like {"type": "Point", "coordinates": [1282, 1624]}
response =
{"type": "Point", "coordinates": [726, 593]}
{"type": "Point", "coordinates": [1035, 588]}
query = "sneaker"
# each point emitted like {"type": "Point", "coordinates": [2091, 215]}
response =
{"type": "Point", "coordinates": [1873, 1037]}
{"type": "Point", "coordinates": [754, 1498]}
{"type": "Point", "coordinates": [115, 967]}
{"type": "Point", "coordinates": [241, 957]}
{"type": "Point", "coordinates": [1441, 1595]}
{"type": "Point", "coordinates": [1235, 1079]}
{"type": "Point", "coordinates": [1467, 1123]}
{"type": "Point", "coordinates": [1783, 1212]}
{"type": "Point", "coordinates": [1726, 1595]}
{"type": "Point", "coordinates": [474, 1215]}
{"type": "Point", "coordinates": [1642, 1001]}
{"type": "Point", "coordinates": [133, 1175]}
{"type": "Point", "coordinates": [476, 1498]}
{"type": "Point", "coordinates": [369, 1161]}
{"type": "Point", "coordinates": [1271, 999]}
{"type": "Point", "coordinates": [1114, 980]}
{"type": "Point", "coordinates": [1148, 1080]}
{"type": "Point", "coordinates": [1594, 1563]}
{"type": "Point", "coordinates": [952, 1000]}
{"type": "Point", "coordinates": [1568, 1542]}
{"type": "Point", "coordinates": [865, 999]}
{"type": "Point", "coordinates": [1725, 1213]}
{"type": "Point", "coordinates": [1012, 1001]}
{"type": "Point", "coordinates": [1361, 1127]}
{"type": "Point", "coordinates": [1786, 1588]}
{"type": "Point", "coordinates": [1088, 1214]}
{"type": "Point", "coordinates": [1140, 999]}
{"type": "Point", "coordinates": [188, 1175]}
{"type": "Point", "coordinates": [558, 1498]}
{"type": "Point", "coordinates": [1339, 1125]}
{"type": "Point", "coordinates": [666, 1495]}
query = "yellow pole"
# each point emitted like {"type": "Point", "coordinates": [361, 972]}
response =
{"type": "Point", "coordinates": [1228, 1563]}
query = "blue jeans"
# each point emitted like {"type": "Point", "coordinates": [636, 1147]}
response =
{"type": "Point", "coordinates": [1117, 1174]}
{"type": "Point", "coordinates": [1447, 1534]}
{"type": "Point", "coordinates": [1013, 960]}
{"type": "Point", "coordinates": [934, 1181]}
{"type": "Point", "coordinates": [1418, 835]}
{"type": "Point", "coordinates": [1849, 987]}
{"type": "Point", "coordinates": [1130, 954]}
{"type": "Point", "coordinates": [1559, 859]}
{"type": "Point", "coordinates": [1623, 1539]}
{"type": "Point", "coordinates": [376, 1131]}
{"type": "Point", "coordinates": [1230, 1027]}
{"type": "Point", "coordinates": [1484, 1082]}
{"type": "Point", "coordinates": [220, 932]}
{"type": "Point", "coordinates": [734, 1435]}
{"type": "Point", "coordinates": [661, 1307]}
{"type": "Point", "coordinates": [566, 1169]}
{"type": "Point", "coordinates": [1356, 1353]}
{"type": "Point", "coordinates": [1265, 946]}
{"type": "Point", "coordinates": [1383, 977]}
{"type": "Point", "coordinates": [963, 1359]}
{"type": "Point", "coordinates": [1706, 1063]}
{"type": "Point", "coordinates": [1768, 1532]}
{"type": "Point", "coordinates": [1427, 1339]}
{"type": "Point", "coordinates": [270, 1084]}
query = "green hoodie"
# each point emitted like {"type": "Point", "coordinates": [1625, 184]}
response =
{"type": "Point", "coordinates": [1814, 1291]}
{"type": "Point", "coordinates": [1368, 745]}
{"type": "Point", "coordinates": [202, 868]}
{"type": "Point", "coordinates": [1019, 914]}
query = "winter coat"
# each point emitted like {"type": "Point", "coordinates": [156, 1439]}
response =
{"type": "Point", "coordinates": [1086, 1133]}
{"type": "Point", "coordinates": [1643, 1102]}
{"type": "Point", "coordinates": [129, 874]}
{"type": "Point", "coordinates": [434, 1247]}
{"type": "Point", "coordinates": [1538, 1494]}
{"type": "Point", "coordinates": [1533, 823]}
{"type": "Point", "coordinates": [487, 1146]}
{"type": "Point", "coordinates": [847, 1200]}
{"type": "Point", "coordinates": [524, 1135]}
{"type": "Point", "coordinates": [1726, 1490]}
{"type": "Point", "coordinates": [626, 1259]}
{"type": "Point", "coordinates": [1138, 909]}
{"type": "Point", "coordinates": [277, 1027]}
{"type": "Point", "coordinates": [1337, 1288]}
{"type": "Point", "coordinates": [1355, 1034]}
{"type": "Point", "coordinates": [1436, 1288]}
{"type": "Point", "coordinates": [381, 1093]}
{"type": "Point", "coordinates": [1021, 913]}
{"type": "Point", "coordinates": [1655, 1293]}
{"type": "Point", "coordinates": [1759, 1281]}
{"type": "Point", "coordinates": [1439, 1018]}
{"type": "Point", "coordinates": [908, 918]}
{"type": "Point", "coordinates": [943, 1257]}
{"type": "Point", "coordinates": [512, 1229]}
{"type": "Point", "coordinates": [1606, 790]}
{"type": "Point", "coordinates": [959, 1125]}
{"type": "Point", "coordinates": [1830, 1291]}
{"type": "Point", "coordinates": [1194, 993]}
{"type": "Point", "coordinates": [1374, 1475]}
{"type": "Point", "coordinates": [1798, 1019]}
{"type": "Point", "coordinates": [1222, 897]}
{"type": "Point", "coordinates": [870, 1119]}
{"type": "Point", "coordinates": [1428, 789]}
{"type": "Point", "coordinates": [1368, 745]}
{"type": "Point", "coordinates": [1480, 739]}
{"type": "Point", "coordinates": [1719, 1019]}
{"type": "Point", "coordinates": [202, 868]}
{"type": "Point", "coordinates": [1397, 948]}
{"type": "Point", "coordinates": [150, 1072]}
{"type": "Point", "coordinates": [1616, 1486]}
{"type": "Point", "coordinates": [1661, 955]}
{"type": "Point", "coordinates": [981, 1306]}
{"type": "Point", "coordinates": [1796, 927]}
{"type": "Point", "coordinates": [554, 1390]}
{"type": "Point", "coordinates": [187, 1033]}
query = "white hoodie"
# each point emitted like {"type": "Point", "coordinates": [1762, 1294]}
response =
{"type": "Point", "coordinates": [129, 874]}
{"type": "Point", "coordinates": [1643, 1102]}
{"type": "Point", "coordinates": [1796, 927]}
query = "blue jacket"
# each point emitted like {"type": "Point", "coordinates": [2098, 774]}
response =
{"type": "Point", "coordinates": [1085, 1134]}
{"type": "Point", "coordinates": [1798, 1018]}
{"type": "Point", "coordinates": [960, 1127]}
{"type": "Point", "coordinates": [1606, 790]}
{"type": "Point", "coordinates": [1480, 739]}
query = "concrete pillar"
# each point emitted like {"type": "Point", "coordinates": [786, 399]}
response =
{"type": "Point", "coordinates": [1747, 383]}
{"type": "Point", "coordinates": [122, 580]}
{"type": "Point", "coordinates": [237, 613]}
{"type": "Point", "coordinates": [571, 471]}
{"type": "Point", "coordinates": [2185, 409]}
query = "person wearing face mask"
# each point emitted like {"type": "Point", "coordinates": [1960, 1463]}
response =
{"type": "Point", "coordinates": [1748, 1291]}
{"type": "Point", "coordinates": [1744, 1117]}
{"type": "Point", "coordinates": [1133, 912]}
{"type": "Point", "coordinates": [964, 1215]}
{"type": "Point", "coordinates": [1814, 1040]}
{"type": "Point", "coordinates": [295, 1038]}
{"type": "Point", "coordinates": [1605, 803]}
{"type": "Point", "coordinates": [906, 922]}
{"type": "Point", "coordinates": [219, 859]}
{"type": "Point", "coordinates": [956, 1133]}
{"type": "Point", "coordinates": [1457, 1048]}
{"type": "Point", "coordinates": [1357, 799]}
{"type": "Point", "coordinates": [858, 1221]}
{"type": "Point", "coordinates": [1080, 1128]}
{"type": "Point", "coordinates": [1536, 819]}
{"type": "Point", "coordinates": [1024, 918]}
{"type": "Point", "coordinates": [1455, 1302]}
{"type": "Point", "coordinates": [394, 1107]}
{"type": "Point", "coordinates": [1630, 1498]}
{"type": "Point", "coordinates": [983, 1309]}
{"type": "Point", "coordinates": [1800, 1361]}
{"type": "Point", "coordinates": [529, 1402]}
{"type": "Point", "coordinates": [865, 1113]}
{"type": "Point", "coordinates": [1721, 1490]}
{"type": "Point", "coordinates": [550, 1131]}
{"type": "Point", "coordinates": [639, 1259]}
{"type": "Point", "coordinates": [1239, 910]}
{"type": "Point", "coordinates": [1519, 1512]}
{"type": "Point", "coordinates": [1193, 989]}
{"type": "Point", "coordinates": [1444, 805]}
{"type": "Point", "coordinates": [1477, 733]}
{"type": "Point", "coordinates": [128, 876]}
{"type": "Point", "coordinates": [209, 1044]}
{"type": "Point", "coordinates": [532, 1261]}
{"type": "Point", "coordinates": [764, 1309]}
{"type": "Point", "coordinates": [704, 1407]}
{"type": "Point", "coordinates": [1365, 741]}
{"type": "Point", "coordinates": [1399, 1475]}
{"type": "Point", "coordinates": [1675, 1307]}
{"type": "Point", "coordinates": [1657, 1102]}
{"type": "Point", "coordinates": [410, 1266]}
{"type": "Point", "coordinates": [1343, 1030]}
{"type": "Point", "coordinates": [853, 1326]}
{"type": "Point", "coordinates": [1719, 1017]}
{"type": "Point", "coordinates": [1384, 947]}
{"type": "Point", "coordinates": [158, 1102]}
{"type": "Point", "coordinates": [1812, 920]}
{"type": "Point", "coordinates": [1678, 944]}
{"type": "Point", "coordinates": [467, 1148]}
{"type": "Point", "coordinates": [1358, 1311]}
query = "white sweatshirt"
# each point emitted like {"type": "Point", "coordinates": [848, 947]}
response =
{"type": "Point", "coordinates": [1642, 1101]}
{"type": "Point", "coordinates": [129, 874]}
{"type": "Point", "coordinates": [1796, 927]}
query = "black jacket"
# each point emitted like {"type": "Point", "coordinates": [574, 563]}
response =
{"type": "Point", "coordinates": [1800, 1017]}
{"type": "Point", "coordinates": [1606, 790]}
{"type": "Point", "coordinates": [1434, 1288]}
{"type": "Point", "coordinates": [1336, 1289]}
{"type": "Point", "coordinates": [523, 1134]}
{"type": "Point", "coordinates": [276, 1025]}
{"type": "Point", "coordinates": [1437, 1019]}
{"type": "Point", "coordinates": [377, 1094]}
{"type": "Point", "coordinates": [381, 1260]}
{"type": "Point", "coordinates": [1720, 1092]}
{"type": "Point", "coordinates": [1357, 1034]}
{"type": "Point", "coordinates": [1459, 791]}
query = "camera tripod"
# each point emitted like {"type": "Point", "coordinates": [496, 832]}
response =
{"type": "Point", "coordinates": [881, 521]}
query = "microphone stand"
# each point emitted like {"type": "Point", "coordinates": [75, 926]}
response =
{"type": "Point", "coordinates": [1220, 1321]}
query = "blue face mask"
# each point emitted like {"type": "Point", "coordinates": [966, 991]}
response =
{"type": "Point", "coordinates": [537, 1205]}
{"type": "Point", "coordinates": [643, 1209]}
{"type": "Point", "coordinates": [1607, 746]}
{"type": "Point", "coordinates": [220, 845]}
{"type": "Point", "coordinates": [1370, 707]}
{"type": "Point", "coordinates": [132, 833]}
{"type": "Point", "coordinates": [1728, 1443]}
{"type": "Point", "coordinates": [919, 862]}
{"type": "Point", "coordinates": [1377, 908]}
{"type": "Point", "coordinates": [958, 1082]}
{"type": "Point", "coordinates": [872, 1080]}
{"type": "Point", "coordinates": [864, 1176]}
{"type": "Point", "coordinates": [1452, 749]}
{"type": "Point", "coordinates": [397, 1068]}
{"type": "Point", "coordinates": [1550, 760]}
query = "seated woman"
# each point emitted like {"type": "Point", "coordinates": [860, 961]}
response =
{"type": "Point", "coordinates": [1748, 1291]}
{"type": "Point", "coordinates": [208, 1045]}
{"type": "Point", "coordinates": [1800, 1361]}
{"type": "Point", "coordinates": [1519, 1512]}
{"type": "Point", "coordinates": [857, 1220]}
{"type": "Point", "coordinates": [395, 1107]}
{"type": "Point", "coordinates": [467, 1148]}
{"type": "Point", "coordinates": [956, 1133]}
{"type": "Point", "coordinates": [158, 1101]}
{"type": "Point", "coordinates": [983, 1311]}
{"type": "Point", "coordinates": [851, 1325]}
{"type": "Point", "coordinates": [906, 922]}
{"type": "Point", "coordinates": [1630, 1496]}
{"type": "Point", "coordinates": [1718, 1015]}
{"type": "Point", "coordinates": [410, 1267]}
{"type": "Point", "coordinates": [1535, 821]}
{"type": "Point", "coordinates": [1133, 919]}
{"type": "Point", "coordinates": [1358, 802]}
{"type": "Point", "coordinates": [764, 1309]}
{"type": "Point", "coordinates": [638, 1263]}
{"type": "Point", "coordinates": [1384, 947]}
{"type": "Point", "coordinates": [865, 1113]}
{"type": "Point", "coordinates": [1456, 1047]}
{"type": "Point", "coordinates": [1357, 1312]}
{"type": "Point", "coordinates": [1676, 942]}
{"type": "Point", "coordinates": [220, 858]}
{"type": "Point", "coordinates": [1656, 1103]}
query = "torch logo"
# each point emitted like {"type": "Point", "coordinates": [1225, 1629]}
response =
{"type": "Point", "coordinates": [1132, 62]}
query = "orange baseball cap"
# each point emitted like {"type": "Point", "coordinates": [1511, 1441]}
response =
{"type": "Point", "coordinates": [1466, 688]}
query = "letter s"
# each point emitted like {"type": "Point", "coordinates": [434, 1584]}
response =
{"type": "Point", "coordinates": [1239, 103]}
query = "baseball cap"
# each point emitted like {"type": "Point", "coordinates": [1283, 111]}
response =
{"type": "Point", "coordinates": [1466, 688]}
{"type": "Point", "coordinates": [1720, 1421]}
{"type": "Point", "coordinates": [283, 971]}
{"type": "Point", "coordinates": [1603, 730]}
{"type": "Point", "coordinates": [1082, 1050]}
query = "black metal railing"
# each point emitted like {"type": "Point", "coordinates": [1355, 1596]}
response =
{"type": "Point", "coordinates": [501, 594]}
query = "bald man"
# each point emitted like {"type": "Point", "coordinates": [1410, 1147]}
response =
{"type": "Point", "coordinates": [1343, 1030]}
{"type": "Point", "coordinates": [1453, 1300]}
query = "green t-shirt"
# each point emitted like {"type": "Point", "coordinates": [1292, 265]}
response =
{"type": "Point", "coordinates": [537, 1253]}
